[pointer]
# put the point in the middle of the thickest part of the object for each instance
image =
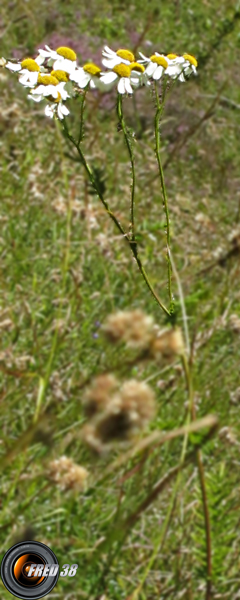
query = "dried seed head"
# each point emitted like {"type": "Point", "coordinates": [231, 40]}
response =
{"type": "Point", "coordinates": [98, 396]}
{"type": "Point", "coordinates": [133, 327]}
{"type": "Point", "coordinates": [126, 414]}
{"type": "Point", "coordinates": [67, 474]}
{"type": "Point", "coordinates": [234, 323]}
{"type": "Point", "coordinates": [167, 343]}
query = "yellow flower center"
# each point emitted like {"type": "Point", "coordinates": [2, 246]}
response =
{"type": "Point", "coordinates": [67, 53]}
{"type": "Point", "coordinates": [30, 64]}
{"type": "Point", "coordinates": [47, 80]}
{"type": "Point", "coordinates": [172, 56]}
{"type": "Point", "coordinates": [122, 70]}
{"type": "Point", "coordinates": [126, 54]}
{"type": "Point", "coordinates": [60, 75]}
{"type": "Point", "coordinates": [58, 98]}
{"type": "Point", "coordinates": [52, 99]}
{"type": "Point", "coordinates": [137, 67]}
{"type": "Point", "coordinates": [159, 60]}
{"type": "Point", "coordinates": [191, 59]}
{"type": "Point", "coordinates": [92, 69]}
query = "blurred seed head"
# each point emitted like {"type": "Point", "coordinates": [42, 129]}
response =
{"type": "Point", "coordinates": [133, 327]}
{"type": "Point", "coordinates": [68, 475]}
{"type": "Point", "coordinates": [123, 414]}
{"type": "Point", "coordinates": [167, 344]}
{"type": "Point", "coordinates": [98, 396]}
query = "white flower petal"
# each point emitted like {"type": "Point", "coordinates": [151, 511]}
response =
{"type": "Point", "coordinates": [49, 111]}
{"type": "Point", "coordinates": [128, 87]}
{"type": "Point", "coordinates": [62, 110]}
{"type": "Point", "coordinates": [121, 85]}
{"type": "Point", "coordinates": [28, 78]}
{"type": "Point", "coordinates": [35, 98]}
{"type": "Point", "coordinates": [108, 53]}
{"type": "Point", "coordinates": [64, 64]}
{"type": "Point", "coordinates": [81, 77]}
{"type": "Point", "coordinates": [150, 69]}
{"type": "Point", "coordinates": [13, 66]}
{"type": "Point", "coordinates": [158, 72]}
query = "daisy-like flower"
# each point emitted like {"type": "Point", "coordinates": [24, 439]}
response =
{"type": "Point", "coordinates": [28, 69]}
{"type": "Point", "coordinates": [138, 75]}
{"type": "Point", "coordinates": [179, 66]}
{"type": "Point", "coordinates": [191, 64]}
{"type": "Point", "coordinates": [57, 109]}
{"type": "Point", "coordinates": [63, 58]}
{"type": "Point", "coordinates": [89, 73]}
{"type": "Point", "coordinates": [120, 74]}
{"type": "Point", "coordinates": [49, 86]}
{"type": "Point", "coordinates": [64, 77]}
{"type": "Point", "coordinates": [156, 65]}
{"type": "Point", "coordinates": [111, 58]}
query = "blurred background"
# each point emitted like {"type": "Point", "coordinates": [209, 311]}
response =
{"type": "Point", "coordinates": [64, 269]}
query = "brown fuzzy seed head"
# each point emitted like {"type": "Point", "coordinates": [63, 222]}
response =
{"type": "Point", "coordinates": [167, 344]}
{"type": "Point", "coordinates": [67, 474]}
{"type": "Point", "coordinates": [98, 396]}
{"type": "Point", "coordinates": [133, 327]}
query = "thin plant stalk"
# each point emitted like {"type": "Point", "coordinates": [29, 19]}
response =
{"type": "Point", "coordinates": [164, 193]}
{"type": "Point", "coordinates": [131, 157]}
{"type": "Point", "coordinates": [132, 243]}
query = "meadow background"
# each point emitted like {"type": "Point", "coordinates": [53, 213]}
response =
{"type": "Point", "coordinates": [64, 268]}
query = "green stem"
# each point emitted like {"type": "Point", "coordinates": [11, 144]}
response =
{"type": "Point", "coordinates": [82, 99]}
{"type": "Point", "coordinates": [130, 152]}
{"type": "Point", "coordinates": [132, 243]}
{"type": "Point", "coordinates": [201, 475]}
{"type": "Point", "coordinates": [164, 194]}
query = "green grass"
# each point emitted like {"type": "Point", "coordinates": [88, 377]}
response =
{"type": "Point", "coordinates": [64, 269]}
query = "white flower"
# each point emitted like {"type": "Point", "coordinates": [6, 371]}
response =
{"type": "Point", "coordinates": [50, 86]}
{"type": "Point", "coordinates": [176, 65]}
{"type": "Point", "coordinates": [138, 75]}
{"type": "Point", "coordinates": [28, 70]}
{"type": "Point", "coordinates": [156, 65]}
{"type": "Point", "coordinates": [89, 73]}
{"type": "Point", "coordinates": [64, 64]}
{"type": "Point", "coordinates": [57, 108]}
{"type": "Point", "coordinates": [190, 64]}
{"type": "Point", "coordinates": [111, 58]}
{"type": "Point", "coordinates": [121, 74]}
{"type": "Point", "coordinates": [63, 58]}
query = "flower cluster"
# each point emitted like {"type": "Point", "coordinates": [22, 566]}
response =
{"type": "Point", "coordinates": [55, 75]}
{"type": "Point", "coordinates": [116, 412]}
